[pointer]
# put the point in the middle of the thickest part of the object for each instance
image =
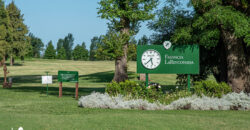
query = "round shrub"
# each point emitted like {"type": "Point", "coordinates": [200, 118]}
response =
{"type": "Point", "coordinates": [211, 88]}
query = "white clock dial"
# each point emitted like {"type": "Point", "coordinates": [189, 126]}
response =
{"type": "Point", "coordinates": [151, 59]}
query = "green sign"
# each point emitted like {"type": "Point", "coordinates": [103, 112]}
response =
{"type": "Point", "coordinates": [68, 76]}
{"type": "Point", "coordinates": [177, 59]}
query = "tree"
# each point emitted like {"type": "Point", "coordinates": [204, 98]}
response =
{"type": "Point", "coordinates": [19, 41]}
{"type": "Point", "coordinates": [222, 28]}
{"type": "Point", "coordinates": [80, 53]}
{"type": "Point", "coordinates": [37, 45]}
{"type": "Point", "coordinates": [93, 48]}
{"type": "Point", "coordinates": [50, 52]}
{"type": "Point", "coordinates": [124, 17]}
{"type": "Point", "coordinates": [59, 44]}
{"type": "Point", "coordinates": [61, 54]}
{"type": "Point", "coordinates": [4, 33]}
{"type": "Point", "coordinates": [85, 52]}
{"type": "Point", "coordinates": [144, 40]}
{"type": "Point", "coordinates": [68, 44]}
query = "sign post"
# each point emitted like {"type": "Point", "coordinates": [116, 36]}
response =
{"type": "Point", "coordinates": [47, 80]}
{"type": "Point", "coordinates": [47, 84]}
{"type": "Point", "coordinates": [68, 76]}
{"type": "Point", "coordinates": [188, 82]}
{"type": "Point", "coordinates": [168, 59]}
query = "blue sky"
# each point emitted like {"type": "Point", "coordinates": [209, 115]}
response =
{"type": "Point", "coordinates": [54, 19]}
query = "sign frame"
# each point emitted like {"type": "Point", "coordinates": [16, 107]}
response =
{"type": "Point", "coordinates": [177, 59]}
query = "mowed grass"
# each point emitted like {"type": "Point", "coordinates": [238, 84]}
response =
{"type": "Point", "coordinates": [27, 105]}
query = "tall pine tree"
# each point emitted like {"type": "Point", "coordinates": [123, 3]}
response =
{"type": "Point", "coordinates": [4, 31]}
{"type": "Point", "coordinates": [50, 52]}
{"type": "Point", "coordinates": [19, 40]}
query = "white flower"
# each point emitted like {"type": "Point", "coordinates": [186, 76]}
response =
{"type": "Point", "coordinates": [159, 86]}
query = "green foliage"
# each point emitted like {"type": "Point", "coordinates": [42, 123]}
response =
{"type": "Point", "coordinates": [113, 46]}
{"type": "Point", "coordinates": [80, 53]}
{"type": "Point", "coordinates": [67, 43]}
{"type": "Point", "coordinates": [144, 40]}
{"type": "Point", "coordinates": [61, 54]}
{"type": "Point", "coordinates": [95, 43]}
{"type": "Point", "coordinates": [170, 97]}
{"type": "Point", "coordinates": [124, 16]}
{"type": "Point", "coordinates": [132, 10]}
{"type": "Point", "coordinates": [132, 53]}
{"type": "Point", "coordinates": [37, 45]}
{"type": "Point", "coordinates": [4, 30]}
{"type": "Point", "coordinates": [211, 88]}
{"type": "Point", "coordinates": [18, 39]}
{"type": "Point", "coordinates": [138, 90]}
{"type": "Point", "coordinates": [134, 90]}
{"type": "Point", "coordinates": [50, 52]}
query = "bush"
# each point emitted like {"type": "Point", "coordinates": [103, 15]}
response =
{"type": "Point", "coordinates": [135, 90]}
{"type": "Point", "coordinates": [98, 100]}
{"type": "Point", "coordinates": [211, 88]}
{"type": "Point", "coordinates": [231, 101]}
{"type": "Point", "coordinates": [176, 95]}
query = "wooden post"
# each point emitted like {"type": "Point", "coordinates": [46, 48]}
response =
{"type": "Point", "coordinates": [76, 93]}
{"type": "Point", "coordinates": [60, 89]}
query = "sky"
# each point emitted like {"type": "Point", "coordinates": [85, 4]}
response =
{"type": "Point", "coordinates": [54, 19]}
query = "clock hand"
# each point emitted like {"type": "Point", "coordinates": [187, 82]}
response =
{"type": "Point", "coordinates": [149, 61]}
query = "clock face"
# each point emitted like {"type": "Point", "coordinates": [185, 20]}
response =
{"type": "Point", "coordinates": [151, 59]}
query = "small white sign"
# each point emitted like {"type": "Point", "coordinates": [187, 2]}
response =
{"type": "Point", "coordinates": [46, 79]}
{"type": "Point", "coordinates": [167, 44]}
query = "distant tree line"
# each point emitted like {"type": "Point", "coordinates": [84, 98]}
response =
{"type": "Point", "coordinates": [64, 49]}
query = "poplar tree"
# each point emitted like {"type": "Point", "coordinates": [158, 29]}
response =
{"type": "Point", "coordinates": [124, 17]}
{"type": "Point", "coordinates": [19, 40]}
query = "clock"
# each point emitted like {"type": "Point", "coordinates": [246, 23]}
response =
{"type": "Point", "coordinates": [151, 59]}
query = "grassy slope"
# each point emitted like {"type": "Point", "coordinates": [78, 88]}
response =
{"type": "Point", "coordinates": [27, 105]}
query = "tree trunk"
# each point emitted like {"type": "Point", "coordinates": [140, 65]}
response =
{"type": "Point", "coordinates": [121, 67]}
{"type": "Point", "coordinates": [11, 60]}
{"type": "Point", "coordinates": [221, 72]}
{"type": "Point", "coordinates": [238, 70]}
{"type": "Point", "coordinates": [121, 62]}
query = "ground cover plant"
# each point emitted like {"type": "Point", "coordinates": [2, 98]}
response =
{"type": "Point", "coordinates": [27, 105]}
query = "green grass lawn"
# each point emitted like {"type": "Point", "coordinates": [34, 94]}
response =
{"type": "Point", "coordinates": [27, 105]}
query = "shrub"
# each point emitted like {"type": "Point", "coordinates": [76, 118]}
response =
{"type": "Point", "coordinates": [211, 88]}
{"type": "Point", "coordinates": [176, 95]}
{"type": "Point", "coordinates": [232, 101]}
{"type": "Point", "coordinates": [98, 100]}
{"type": "Point", "coordinates": [135, 90]}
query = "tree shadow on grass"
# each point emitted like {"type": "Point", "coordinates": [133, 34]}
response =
{"type": "Point", "coordinates": [55, 90]}
{"type": "Point", "coordinates": [15, 64]}
{"type": "Point", "coordinates": [101, 77]}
